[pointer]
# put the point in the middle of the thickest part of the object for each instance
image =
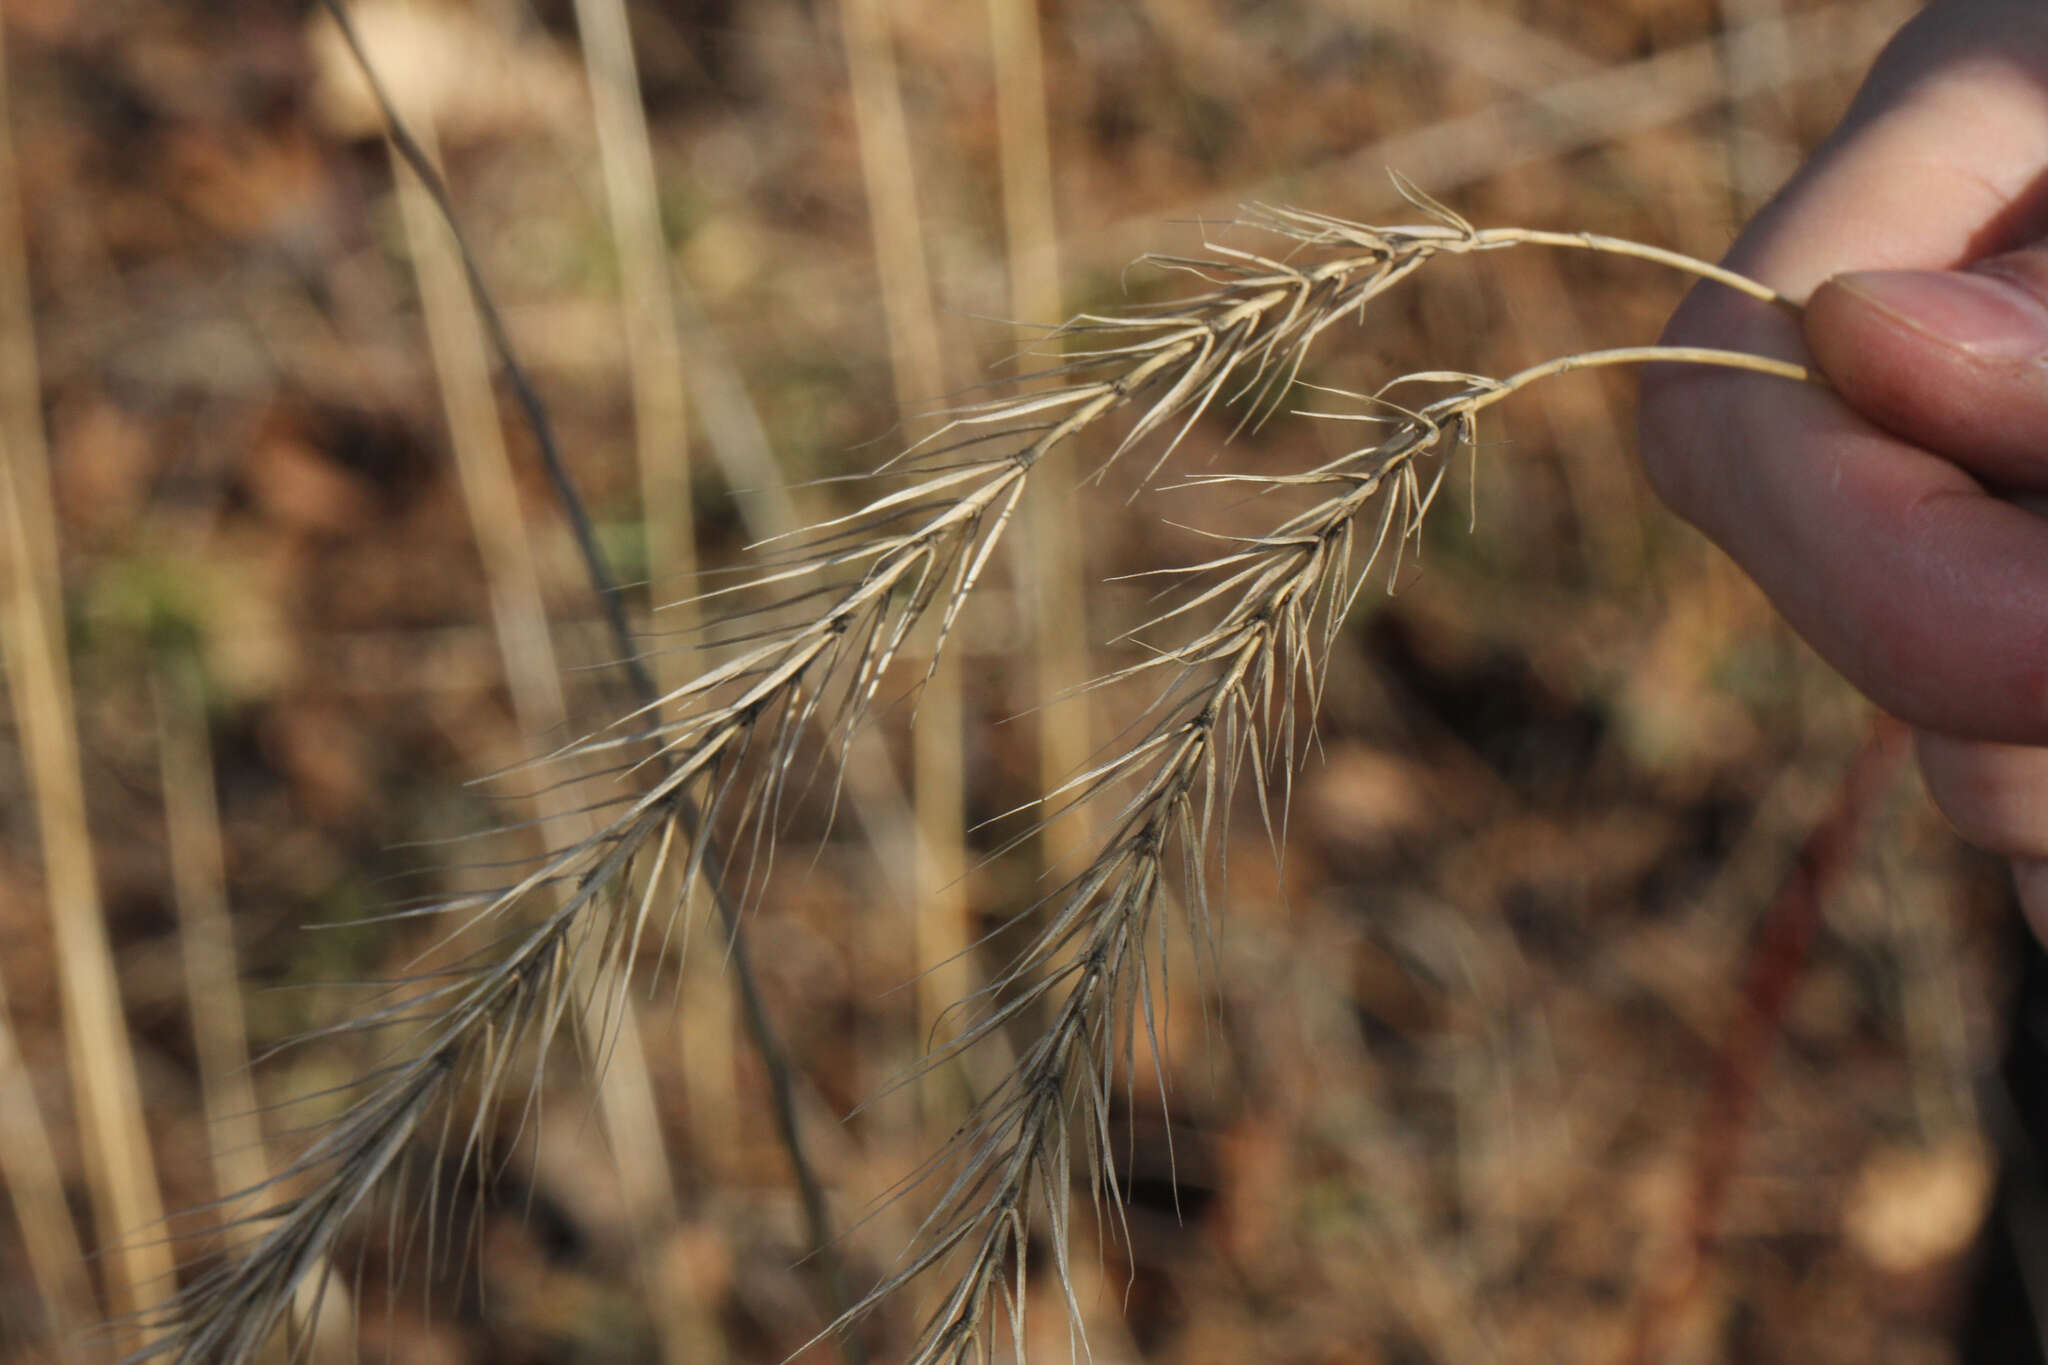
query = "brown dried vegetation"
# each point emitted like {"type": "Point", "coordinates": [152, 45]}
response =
{"type": "Point", "coordinates": [1428, 1073]}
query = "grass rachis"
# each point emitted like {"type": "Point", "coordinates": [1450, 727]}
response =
{"type": "Point", "coordinates": [804, 655]}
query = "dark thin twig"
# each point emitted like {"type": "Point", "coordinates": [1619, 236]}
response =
{"type": "Point", "coordinates": [515, 373]}
{"type": "Point", "coordinates": [753, 1007]}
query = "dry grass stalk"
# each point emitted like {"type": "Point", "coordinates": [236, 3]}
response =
{"type": "Point", "coordinates": [655, 361]}
{"type": "Point", "coordinates": [1048, 564]}
{"type": "Point", "coordinates": [35, 1190]}
{"type": "Point", "coordinates": [806, 644]}
{"type": "Point", "coordinates": [213, 991]}
{"type": "Point", "coordinates": [654, 347]}
{"type": "Point", "coordinates": [942, 931]}
{"type": "Point", "coordinates": [121, 1172]}
{"type": "Point", "coordinates": [220, 1035]}
{"type": "Point", "coordinates": [490, 492]}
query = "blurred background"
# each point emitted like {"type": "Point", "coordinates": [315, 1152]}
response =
{"type": "Point", "coordinates": [286, 580]}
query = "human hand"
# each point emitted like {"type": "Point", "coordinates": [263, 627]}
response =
{"type": "Point", "coordinates": [1890, 520]}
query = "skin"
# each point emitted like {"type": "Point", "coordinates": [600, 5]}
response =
{"type": "Point", "coordinates": [1897, 521]}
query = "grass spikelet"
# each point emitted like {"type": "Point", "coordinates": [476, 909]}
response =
{"type": "Point", "coordinates": [1227, 710]}
{"type": "Point", "coordinates": [800, 650]}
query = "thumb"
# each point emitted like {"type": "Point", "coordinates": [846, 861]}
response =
{"type": "Point", "coordinates": [1954, 361]}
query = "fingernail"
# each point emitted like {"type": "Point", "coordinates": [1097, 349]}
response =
{"type": "Point", "coordinates": [1980, 315]}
